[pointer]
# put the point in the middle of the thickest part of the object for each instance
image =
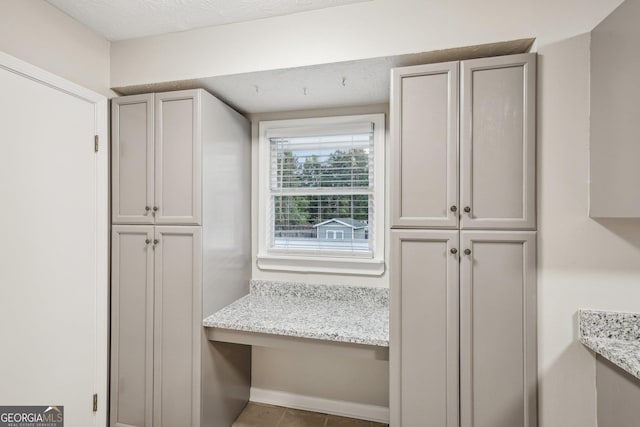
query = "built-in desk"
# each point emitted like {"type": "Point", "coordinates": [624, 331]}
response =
{"type": "Point", "coordinates": [352, 320]}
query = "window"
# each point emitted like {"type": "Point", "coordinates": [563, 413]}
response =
{"type": "Point", "coordinates": [322, 194]}
{"type": "Point", "coordinates": [334, 234]}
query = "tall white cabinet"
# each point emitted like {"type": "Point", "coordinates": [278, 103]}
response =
{"type": "Point", "coordinates": [180, 252]}
{"type": "Point", "coordinates": [463, 284]}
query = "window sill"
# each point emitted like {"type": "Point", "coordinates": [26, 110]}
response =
{"type": "Point", "coordinates": [351, 266]}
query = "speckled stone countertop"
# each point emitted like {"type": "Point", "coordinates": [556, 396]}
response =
{"type": "Point", "coordinates": [350, 314]}
{"type": "Point", "coordinates": [614, 336]}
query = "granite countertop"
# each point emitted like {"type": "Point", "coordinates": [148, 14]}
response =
{"type": "Point", "coordinates": [614, 336]}
{"type": "Point", "coordinates": [350, 314]}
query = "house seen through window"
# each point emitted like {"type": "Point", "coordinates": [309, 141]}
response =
{"type": "Point", "coordinates": [322, 195]}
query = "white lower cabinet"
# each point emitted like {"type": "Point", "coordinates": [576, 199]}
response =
{"type": "Point", "coordinates": [156, 326]}
{"type": "Point", "coordinates": [498, 355]}
{"type": "Point", "coordinates": [424, 329]}
{"type": "Point", "coordinates": [618, 394]}
{"type": "Point", "coordinates": [463, 329]}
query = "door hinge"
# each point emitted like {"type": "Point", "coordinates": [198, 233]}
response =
{"type": "Point", "coordinates": [95, 143]}
{"type": "Point", "coordinates": [95, 402]}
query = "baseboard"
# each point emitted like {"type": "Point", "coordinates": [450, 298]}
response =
{"type": "Point", "coordinates": [318, 404]}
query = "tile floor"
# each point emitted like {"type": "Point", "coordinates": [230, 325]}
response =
{"type": "Point", "coordinates": [260, 415]}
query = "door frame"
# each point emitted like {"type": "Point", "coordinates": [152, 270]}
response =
{"type": "Point", "coordinates": [38, 75]}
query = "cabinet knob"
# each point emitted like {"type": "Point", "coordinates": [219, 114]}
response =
{"type": "Point", "coordinates": [467, 251]}
{"type": "Point", "coordinates": [467, 209]}
{"type": "Point", "coordinates": [147, 208]}
{"type": "Point", "coordinates": [155, 208]}
{"type": "Point", "coordinates": [453, 208]}
{"type": "Point", "coordinates": [156, 241]}
{"type": "Point", "coordinates": [453, 251]}
{"type": "Point", "coordinates": [147, 241]}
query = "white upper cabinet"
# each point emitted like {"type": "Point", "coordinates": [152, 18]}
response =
{"type": "Point", "coordinates": [424, 122]}
{"type": "Point", "coordinates": [157, 152]}
{"type": "Point", "coordinates": [178, 154]}
{"type": "Point", "coordinates": [464, 145]}
{"type": "Point", "coordinates": [614, 104]}
{"type": "Point", "coordinates": [497, 143]}
{"type": "Point", "coordinates": [133, 157]}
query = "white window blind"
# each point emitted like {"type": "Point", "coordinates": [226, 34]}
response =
{"type": "Point", "coordinates": [322, 190]}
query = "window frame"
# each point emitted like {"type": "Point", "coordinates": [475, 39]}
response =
{"type": "Point", "coordinates": [268, 259]}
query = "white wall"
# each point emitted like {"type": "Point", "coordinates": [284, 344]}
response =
{"type": "Point", "coordinates": [582, 263]}
{"type": "Point", "coordinates": [355, 31]}
{"type": "Point", "coordinates": [38, 33]}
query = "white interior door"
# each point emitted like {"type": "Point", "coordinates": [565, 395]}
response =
{"type": "Point", "coordinates": [53, 244]}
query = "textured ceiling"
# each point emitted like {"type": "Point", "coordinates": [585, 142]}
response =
{"type": "Point", "coordinates": [127, 19]}
{"type": "Point", "coordinates": [322, 86]}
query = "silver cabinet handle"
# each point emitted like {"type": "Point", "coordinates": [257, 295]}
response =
{"type": "Point", "coordinates": [467, 251]}
{"type": "Point", "coordinates": [453, 208]}
{"type": "Point", "coordinates": [454, 251]}
{"type": "Point", "coordinates": [467, 209]}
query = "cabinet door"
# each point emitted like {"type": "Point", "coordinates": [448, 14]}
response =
{"type": "Point", "coordinates": [425, 146]}
{"type": "Point", "coordinates": [497, 154]}
{"type": "Point", "coordinates": [132, 157]}
{"type": "Point", "coordinates": [498, 367]}
{"type": "Point", "coordinates": [178, 325]}
{"type": "Point", "coordinates": [618, 394]}
{"type": "Point", "coordinates": [424, 328]}
{"type": "Point", "coordinates": [131, 326]}
{"type": "Point", "coordinates": [178, 158]}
